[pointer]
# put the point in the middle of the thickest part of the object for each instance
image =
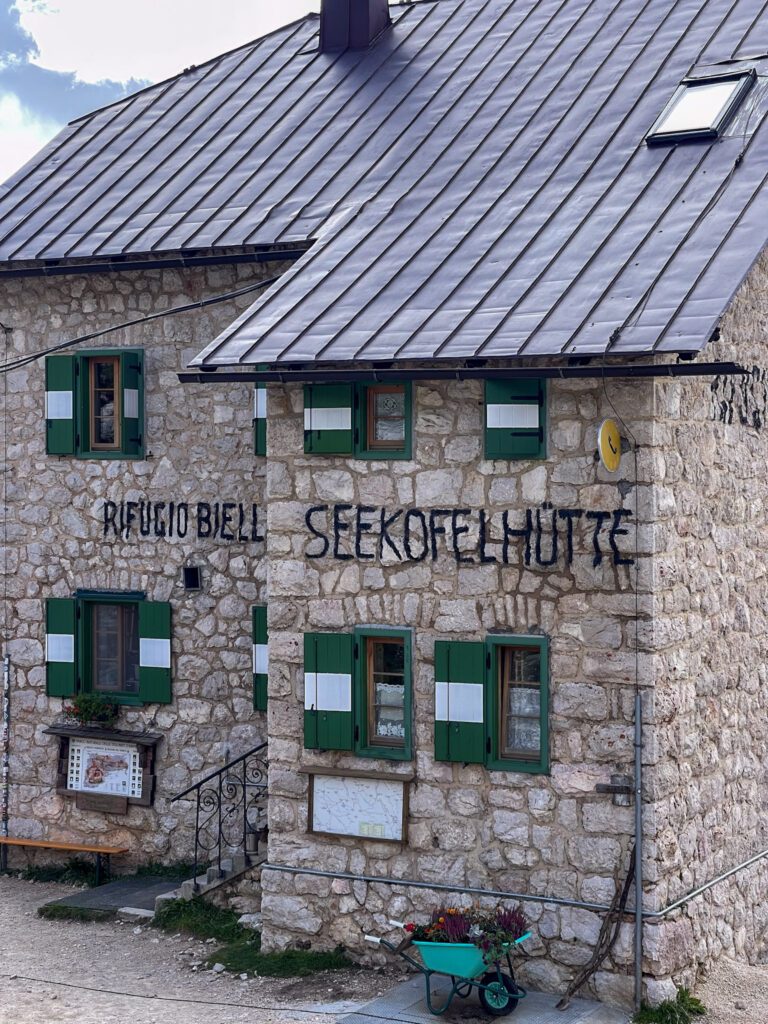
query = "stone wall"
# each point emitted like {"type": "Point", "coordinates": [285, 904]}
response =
{"type": "Point", "coordinates": [710, 637]}
{"type": "Point", "coordinates": [537, 834]}
{"type": "Point", "coordinates": [199, 447]}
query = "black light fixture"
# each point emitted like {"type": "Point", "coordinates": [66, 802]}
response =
{"type": "Point", "coordinates": [191, 577]}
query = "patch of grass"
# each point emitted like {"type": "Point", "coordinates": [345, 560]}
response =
{"type": "Point", "coordinates": [74, 872]}
{"type": "Point", "coordinates": [201, 919]}
{"type": "Point", "coordinates": [180, 869]}
{"type": "Point", "coordinates": [680, 1010]}
{"type": "Point", "coordinates": [245, 957]}
{"type": "Point", "coordinates": [59, 912]}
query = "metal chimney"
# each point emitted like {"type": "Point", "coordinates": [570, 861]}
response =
{"type": "Point", "coordinates": [351, 24]}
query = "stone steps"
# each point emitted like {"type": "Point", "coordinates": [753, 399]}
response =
{"type": "Point", "coordinates": [231, 869]}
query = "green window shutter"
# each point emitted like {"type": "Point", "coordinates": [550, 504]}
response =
{"type": "Point", "coordinates": [260, 419]}
{"type": "Point", "coordinates": [328, 664]}
{"type": "Point", "coordinates": [260, 658]}
{"type": "Point", "coordinates": [60, 434]}
{"type": "Point", "coordinates": [60, 646]}
{"type": "Point", "coordinates": [459, 701]}
{"type": "Point", "coordinates": [155, 652]}
{"type": "Point", "coordinates": [132, 403]}
{"type": "Point", "coordinates": [515, 419]}
{"type": "Point", "coordinates": [328, 417]}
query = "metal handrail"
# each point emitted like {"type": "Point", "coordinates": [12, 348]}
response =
{"type": "Point", "coordinates": [230, 814]}
{"type": "Point", "coordinates": [196, 785]}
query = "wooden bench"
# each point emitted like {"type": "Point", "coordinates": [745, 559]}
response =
{"type": "Point", "coordinates": [101, 853]}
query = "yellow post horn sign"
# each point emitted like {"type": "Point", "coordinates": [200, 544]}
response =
{"type": "Point", "coordinates": [609, 445]}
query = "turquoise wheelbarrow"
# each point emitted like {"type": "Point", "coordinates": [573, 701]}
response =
{"type": "Point", "coordinates": [463, 963]}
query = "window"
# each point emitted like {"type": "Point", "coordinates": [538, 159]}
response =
{"type": "Point", "coordinates": [368, 421]}
{"type": "Point", "coordinates": [491, 703]}
{"type": "Point", "coordinates": [114, 632]}
{"type": "Point", "coordinates": [357, 692]}
{"type": "Point", "coordinates": [94, 404]}
{"type": "Point", "coordinates": [701, 108]}
{"type": "Point", "coordinates": [116, 644]}
{"type": "Point", "coordinates": [515, 419]}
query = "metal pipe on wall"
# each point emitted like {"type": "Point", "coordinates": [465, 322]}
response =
{"type": "Point", "coordinates": [638, 849]}
{"type": "Point", "coordinates": [5, 734]}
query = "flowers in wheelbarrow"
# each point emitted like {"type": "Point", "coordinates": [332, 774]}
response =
{"type": "Point", "coordinates": [492, 931]}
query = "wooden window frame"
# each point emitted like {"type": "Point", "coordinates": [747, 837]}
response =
{"type": "Point", "coordinates": [369, 397]}
{"type": "Point", "coordinates": [91, 362]}
{"type": "Point", "coordinates": [366, 745]}
{"type": "Point", "coordinates": [86, 639]}
{"type": "Point", "coordinates": [92, 624]}
{"type": "Point", "coordinates": [494, 709]}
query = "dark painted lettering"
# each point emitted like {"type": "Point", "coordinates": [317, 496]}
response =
{"type": "Point", "coordinates": [315, 532]}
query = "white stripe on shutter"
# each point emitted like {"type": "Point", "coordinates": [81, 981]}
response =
{"type": "Point", "coordinates": [131, 404]}
{"type": "Point", "coordinates": [60, 647]}
{"type": "Point", "coordinates": [154, 653]}
{"type": "Point", "coordinates": [58, 405]}
{"type": "Point", "coordinates": [328, 419]}
{"type": "Point", "coordinates": [260, 404]}
{"type": "Point", "coordinates": [518, 416]}
{"type": "Point", "coordinates": [260, 659]}
{"type": "Point", "coordinates": [462, 701]}
{"type": "Point", "coordinates": [328, 691]}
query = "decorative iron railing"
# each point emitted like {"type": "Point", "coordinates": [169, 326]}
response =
{"type": "Point", "coordinates": [230, 815]}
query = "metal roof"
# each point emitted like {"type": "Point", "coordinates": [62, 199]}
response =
{"type": "Point", "coordinates": [476, 184]}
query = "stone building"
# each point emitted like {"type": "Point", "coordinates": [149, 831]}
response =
{"type": "Point", "coordinates": [441, 245]}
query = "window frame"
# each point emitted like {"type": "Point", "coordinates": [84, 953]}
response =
{"type": "Point", "coordinates": [494, 760]}
{"type": "Point", "coordinates": [362, 688]}
{"type": "Point", "coordinates": [89, 408]}
{"type": "Point", "coordinates": [364, 447]}
{"type": "Point", "coordinates": [656, 137]}
{"type": "Point", "coordinates": [85, 600]}
{"type": "Point", "coordinates": [504, 444]}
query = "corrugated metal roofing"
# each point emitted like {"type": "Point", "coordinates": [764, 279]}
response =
{"type": "Point", "coordinates": [477, 183]}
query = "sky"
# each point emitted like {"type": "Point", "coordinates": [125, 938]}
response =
{"type": "Point", "coordinates": [62, 58]}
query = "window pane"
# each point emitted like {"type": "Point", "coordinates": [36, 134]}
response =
{"type": "Point", "coordinates": [386, 417]}
{"type": "Point", "coordinates": [104, 385]}
{"type": "Point", "coordinates": [130, 616]}
{"type": "Point", "coordinates": [115, 645]}
{"type": "Point", "coordinates": [520, 703]}
{"type": "Point", "coordinates": [386, 691]}
{"type": "Point", "coordinates": [106, 653]}
{"type": "Point", "coordinates": [699, 106]}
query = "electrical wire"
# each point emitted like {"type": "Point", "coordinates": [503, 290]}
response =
{"type": "Point", "coordinates": [17, 364]}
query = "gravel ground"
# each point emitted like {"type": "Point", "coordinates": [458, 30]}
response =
{"type": "Point", "coordinates": [110, 973]}
{"type": "Point", "coordinates": [735, 993]}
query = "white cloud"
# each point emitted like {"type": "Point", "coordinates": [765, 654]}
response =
{"type": "Point", "coordinates": [151, 39]}
{"type": "Point", "coordinates": [22, 134]}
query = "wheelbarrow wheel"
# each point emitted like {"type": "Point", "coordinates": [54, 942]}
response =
{"type": "Point", "coordinates": [498, 997]}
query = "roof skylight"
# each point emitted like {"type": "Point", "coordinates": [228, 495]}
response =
{"type": "Point", "coordinates": [700, 108]}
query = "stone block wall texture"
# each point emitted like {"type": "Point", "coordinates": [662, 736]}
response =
{"type": "Point", "coordinates": [199, 448]}
{"type": "Point", "coordinates": [537, 834]}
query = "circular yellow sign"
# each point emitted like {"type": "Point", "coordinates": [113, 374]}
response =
{"type": "Point", "coordinates": [609, 445]}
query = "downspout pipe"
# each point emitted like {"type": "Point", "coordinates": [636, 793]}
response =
{"type": "Point", "coordinates": [638, 849]}
{"type": "Point", "coordinates": [5, 770]}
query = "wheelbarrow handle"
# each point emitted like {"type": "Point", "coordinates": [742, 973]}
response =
{"type": "Point", "coordinates": [376, 941]}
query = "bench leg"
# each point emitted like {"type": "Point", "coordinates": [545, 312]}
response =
{"type": "Point", "coordinates": [102, 867]}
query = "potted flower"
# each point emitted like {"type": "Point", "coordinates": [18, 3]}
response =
{"type": "Point", "coordinates": [465, 942]}
{"type": "Point", "coordinates": [94, 709]}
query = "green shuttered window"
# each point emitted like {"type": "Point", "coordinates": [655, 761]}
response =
{"type": "Point", "coordinates": [515, 419]}
{"type": "Point", "coordinates": [357, 692]}
{"type": "Point", "coordinates": [492, 703]}
{"type": "Point", "coordinates": [368, 421]}
{"type": "Point", "coordinates": [94, 404]}
{"type": "Point", "coordinates": [112, 644]}
{"type": "Point", "coordinates": [260, 657]}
